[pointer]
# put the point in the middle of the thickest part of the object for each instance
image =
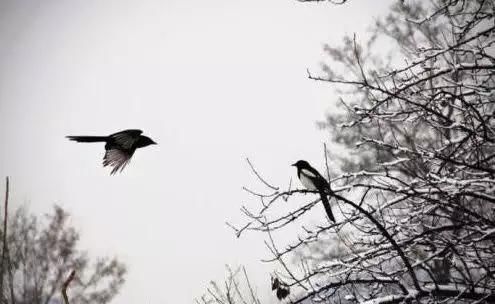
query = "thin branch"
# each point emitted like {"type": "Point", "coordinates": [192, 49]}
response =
{"type": "Point", "coordinates": [386, 235]}
{"type": "Point", "coordinates": [4, 247]}
{"type": "Point", "coordinates": [66, 284]}
{"type": "Point", "coordinates": [259, 176]}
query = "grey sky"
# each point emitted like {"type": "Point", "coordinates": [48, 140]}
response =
{"type": "Point", "coordinates": [212, 82]}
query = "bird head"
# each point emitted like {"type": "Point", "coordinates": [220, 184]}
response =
{"type": "Point", "coordinates": [146, 141]}
{"type": "Point", "coordinates": [301, 164]}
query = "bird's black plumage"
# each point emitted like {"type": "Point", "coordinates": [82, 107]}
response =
{"type": "Point", "coordinates": [119, 146]}
{"type": "Point", "coordinates": [312, 180]}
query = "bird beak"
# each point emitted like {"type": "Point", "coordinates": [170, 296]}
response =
{"type": "Point", "coordinates": [154, 143]}
{"type": "Point", "coordinates": [293, 165]}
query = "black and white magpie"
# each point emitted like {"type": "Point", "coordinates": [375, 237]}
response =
{"type": "Point", "coordinates": [119, 146]}
{"type": "Point", "coordinates": [312, 180]}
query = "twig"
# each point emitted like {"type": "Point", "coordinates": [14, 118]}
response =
{"type": "Point", "coordinates": [66, 284]}
{"type": "Point", "coordinates": [253, 295]}
{"type": "Point", "coordinates": [326, 163]}
{"type": "Point", "coordinates": [386, 235]}
{"type": "Point", "coordinates": [259, 176]}
{"type": "Point", "coordinates": [4, 250]}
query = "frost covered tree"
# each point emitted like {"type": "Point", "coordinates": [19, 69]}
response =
{"type": "Point", "coordinates": [42, 251]}
{"type": "Point", "coordinates": [414, 194]}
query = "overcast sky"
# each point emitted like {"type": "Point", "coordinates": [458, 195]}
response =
{"type": "Point", "coordinates": [213, 82]}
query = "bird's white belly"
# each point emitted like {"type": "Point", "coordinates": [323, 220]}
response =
{"type": "Point", "coordinates": [307, 183]}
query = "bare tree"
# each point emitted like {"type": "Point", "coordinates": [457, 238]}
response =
{"type": "Point", "coordinates": [42, 251]}
{"type": "Point", "coordinates": [236, 289]}
{"type": "Point", "coordinates": [415, 193]}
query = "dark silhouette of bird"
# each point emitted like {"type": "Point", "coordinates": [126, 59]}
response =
{"type": "Point", "coordinates": [312, 180]}
{"type": "Point", "coordinates": [119, 146]}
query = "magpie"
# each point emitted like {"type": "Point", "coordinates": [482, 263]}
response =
{"type": "Point", "coordinates": [119, 147]}
{"type": "Point", "coordinates": [312, 180]}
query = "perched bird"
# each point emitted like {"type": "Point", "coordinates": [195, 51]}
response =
{"type": "Point", "coordinates": [312, 180]}
{"type": "Point", "coordinates": [119, 146]}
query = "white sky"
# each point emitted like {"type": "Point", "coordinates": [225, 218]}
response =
{"type": "Point", "coordinates": [212, 82]}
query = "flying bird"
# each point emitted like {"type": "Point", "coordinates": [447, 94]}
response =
{"type": "Point", "coordinates": [312, 180]}
{"type": "Point", "coordinates": [119, 147]}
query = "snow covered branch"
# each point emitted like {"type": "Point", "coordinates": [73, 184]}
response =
{"type": "Point", "coordinates": [414, 194]}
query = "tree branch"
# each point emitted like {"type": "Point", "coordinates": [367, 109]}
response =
{"type": "Point", "coordinates": [386, 235]}
{"type": "Point", "coordinates": [4, 247]}
{"type": "Point", "coordinates": [66, 284]}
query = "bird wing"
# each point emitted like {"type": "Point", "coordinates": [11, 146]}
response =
{"type": "Point", "coordinates": [309, 173]}
{"type": "Point", "coordinates": [116, 158]}
{"type": "Point", "coordinates": [307, 180]}
{"type": "Point", "coordinates": [314, 177]}
{"type": "Point", "coordinates": [127, 138]}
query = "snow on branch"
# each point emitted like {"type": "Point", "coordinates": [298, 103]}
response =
{"type": "Point", "coordinates": [414, 195]}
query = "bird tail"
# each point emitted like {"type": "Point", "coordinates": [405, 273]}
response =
{"type": "Point", "coordinates": [88, 139]}
{"type": "Point", "coordinates": [326, 204]}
